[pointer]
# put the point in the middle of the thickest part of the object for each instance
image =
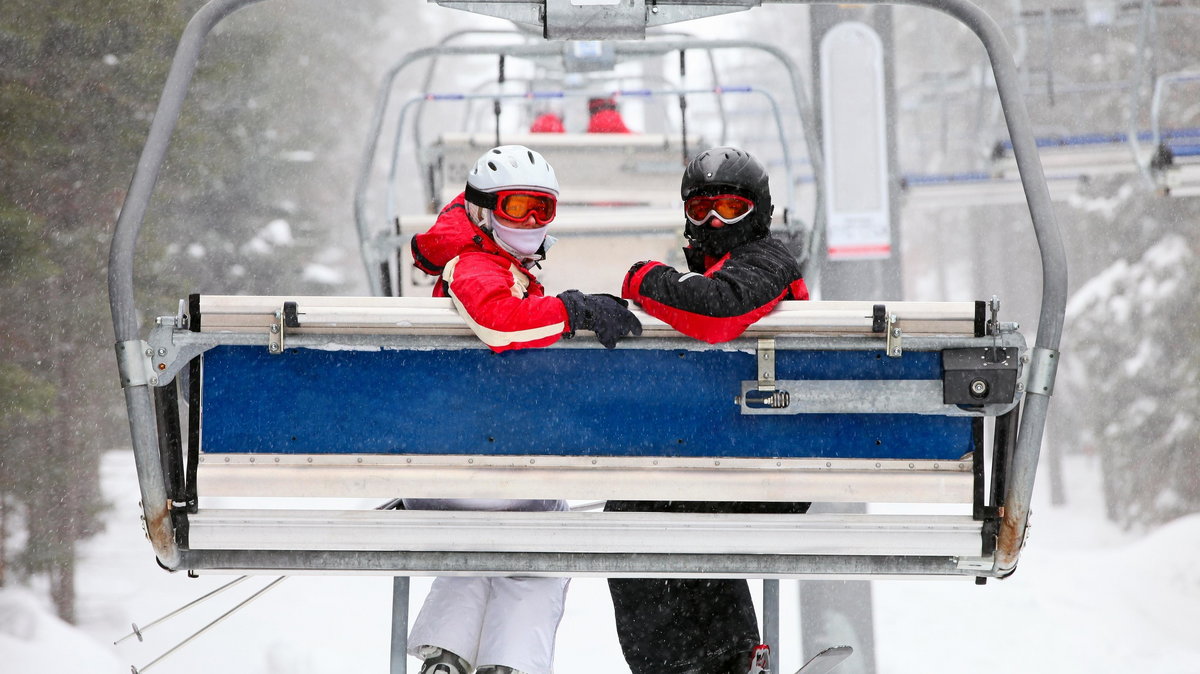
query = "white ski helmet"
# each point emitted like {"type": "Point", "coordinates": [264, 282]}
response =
{"type": "Point", "coordinates": [512, 167]}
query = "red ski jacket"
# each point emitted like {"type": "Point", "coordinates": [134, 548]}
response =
{"type": "Point", "coordinates": [718, 298]}
{"type": "Point", "coordinates": [501, 300]}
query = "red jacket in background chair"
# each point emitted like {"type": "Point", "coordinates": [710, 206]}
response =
{"type": "Point", "coordinates": [605, 118]}
{"type": "Point", "coordinates": [547, 122]}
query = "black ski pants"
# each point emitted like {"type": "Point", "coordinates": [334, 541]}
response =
{"type": "Point", "coordinates": [687, 626]}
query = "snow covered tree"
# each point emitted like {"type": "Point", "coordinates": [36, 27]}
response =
{"type": "Point", "coordinates": [237, 209]}
{"type": "Point", "coordinates": [1130, 368]}
{"type": "Point", "coordinates": [76, 90]}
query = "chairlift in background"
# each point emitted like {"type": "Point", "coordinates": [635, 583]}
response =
{"type": "Point", "coordinates": [1162, 157]}
{"type": "Point", "coordinates": [864, 402]}
{"type": "Point", "coordinates": [612, 184]}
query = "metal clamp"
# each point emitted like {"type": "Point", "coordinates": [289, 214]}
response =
{"type": "Point", "coordinates": [895, 337]}
{"type": "Point", "coordinates": [1043, 365]}
{"type": "Point", "coordinates": [133, 363]}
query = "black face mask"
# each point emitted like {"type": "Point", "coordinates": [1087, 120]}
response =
{"type": "Point", "coordinates": [716, 242]}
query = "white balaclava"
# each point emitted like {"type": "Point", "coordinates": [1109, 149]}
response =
{"type": "Point", "coordinates": [519, 242]}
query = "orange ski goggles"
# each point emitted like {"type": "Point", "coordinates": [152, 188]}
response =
{"type": "Point", "coordinates": [516, 205]}
{"type": "Point", "coordinates": [728, 208]}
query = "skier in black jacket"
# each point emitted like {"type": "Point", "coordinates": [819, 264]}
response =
{"type": "Point", "coordinates": [736, 274]}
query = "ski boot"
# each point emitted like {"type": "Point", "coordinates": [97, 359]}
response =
{"type": "Point", "coordinates": [760, 660]}
{"type": "Point", "coordinates": [441, 661]}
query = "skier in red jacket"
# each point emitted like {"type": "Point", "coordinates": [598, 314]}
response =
{"type": "Point", "coordinates": [547, 122]}
{"type": "Point", "coordinates": [736, 274]}
{"type": "Point", "coordinates": [604, 117]}
{"type": "Point", "coordinates": [482, 248]}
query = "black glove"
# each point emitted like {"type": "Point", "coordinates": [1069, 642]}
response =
{"type": "Point", "coordinates": [603, 314]}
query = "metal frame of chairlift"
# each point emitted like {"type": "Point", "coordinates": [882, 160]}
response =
{"type": "Point", "coordinates": [433, 62]}
{"type": "Point", "coordinates": [147, 367]}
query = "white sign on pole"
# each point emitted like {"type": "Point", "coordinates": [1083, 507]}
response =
{"type": "Point", "coordinates": [858, 219]}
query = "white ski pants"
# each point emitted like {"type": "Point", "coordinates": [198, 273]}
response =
{"type": "Point", "coordinates": [492, 621]}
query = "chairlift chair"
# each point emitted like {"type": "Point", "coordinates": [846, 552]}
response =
{"type": "Point", "coordinates": [344, 397]}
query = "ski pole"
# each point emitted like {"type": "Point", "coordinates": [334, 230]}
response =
{"type": "Point", "coordinates": [207, 627]}
{"type": "Point", "coordinates": [137, 632]}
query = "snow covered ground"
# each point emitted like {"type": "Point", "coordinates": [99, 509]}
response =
{"type": "Point", "coordinates": [1086, 598]}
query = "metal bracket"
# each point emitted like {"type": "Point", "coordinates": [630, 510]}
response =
{"type": "Point", "coordinates": [765, 395]}
{"type": "Point", "coordinates": [178, 321]}
{"type": "Point", "coordinates": [275, 339]}
{"type": "Point", "coordinates": [980, 375]}
{"type": "Point", "coordinates": [610, 19]}
{"type": "Point", "coordinates": [284, 318]}
{"type": "Point", "coordinates": [133, 363]}
{"type": "Point", "coordinates": [895, 337]}
{"type": "Point", "coordinates": [625, 20]}
{"type": "Point", "coordinates": [766, 364]}
{"type": "Point", "coordinates": [1043, 365]}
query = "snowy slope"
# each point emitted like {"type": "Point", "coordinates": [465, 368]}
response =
{"type": "Point", "coordinates": [1086, 598]}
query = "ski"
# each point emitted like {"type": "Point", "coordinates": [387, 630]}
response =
{"type": "Point", "coordinates": [826, 660]}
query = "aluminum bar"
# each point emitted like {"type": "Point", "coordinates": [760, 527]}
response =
{"type": "Point", "coordinates": [578, 565]}
{"type": "Point", "coordinates": [585, 532]}
{"type": "Point", "coordinates": [578, 478]}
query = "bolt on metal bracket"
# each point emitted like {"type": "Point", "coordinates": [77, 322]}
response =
{"type": "Point", "coordinates": [766, 364]}
{"type": "Point", "coordinates": [287, 316]}
{"type": "Point", "coordinates": [895, 337]}
{"type": "Point", "coordinates": [275, 338]}
{"type": "Point", "coordinates": [765, 395]}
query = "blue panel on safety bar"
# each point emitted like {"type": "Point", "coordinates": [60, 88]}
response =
{"type": "Point", "coordinates": [626, 402]}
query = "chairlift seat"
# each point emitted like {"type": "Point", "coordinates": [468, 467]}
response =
{"type": "Point", "coordinates": [373, 398]}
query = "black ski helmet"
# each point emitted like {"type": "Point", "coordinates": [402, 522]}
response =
{"type": "Point", "coordinates": [728, 170]}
